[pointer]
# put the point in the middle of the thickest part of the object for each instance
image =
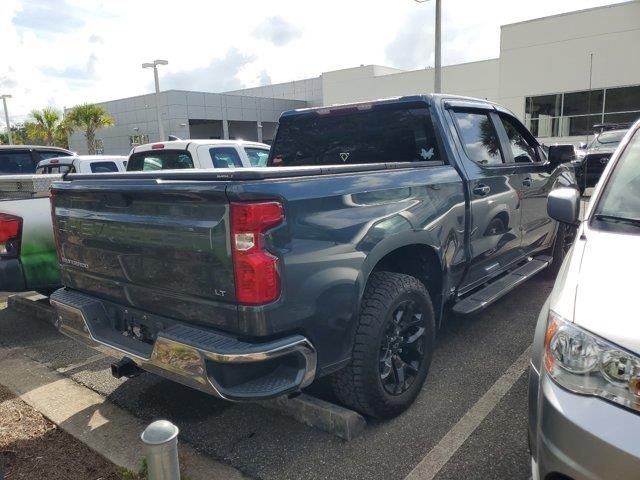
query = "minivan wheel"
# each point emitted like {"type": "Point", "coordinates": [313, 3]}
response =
{"type": "Point", "coordinates": [392, 349]}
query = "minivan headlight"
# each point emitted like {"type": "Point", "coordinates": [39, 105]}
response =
{"type": "Point", "coordinates": [587, 364]}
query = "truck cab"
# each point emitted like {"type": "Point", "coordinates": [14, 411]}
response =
{"type": "Point", "coordinates": [83, 164]}
{"type": "Point", "coordinates": [200, 154]}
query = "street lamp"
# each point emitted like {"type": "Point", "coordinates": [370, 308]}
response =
{"type": "Point", "coordinates": [6, 117]}
{"type": "Point", "coordinates": [438, 47]}
{"type": "Point", "coordinates": [154, 65]}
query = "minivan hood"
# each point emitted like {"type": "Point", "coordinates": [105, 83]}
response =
{"type": "Point", "coordinates": [607, 295]}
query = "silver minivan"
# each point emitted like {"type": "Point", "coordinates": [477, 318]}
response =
{"type": "Point", "coordinates": [584, 384]}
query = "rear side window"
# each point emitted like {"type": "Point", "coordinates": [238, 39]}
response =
{"type": "Point", "coordinates": [159, 160]}
{"type": "Point", "coordinates": [378, 135]}
{"type": "Point", "coordinates": [103, 167]}
{"type": "Point", "coordinates": [479, 137]}
{"type": "Point", "coordinates": [257, 156]}
{"type": "Point", "coordinates": [225, 157]}
{"type": "Point", "coordinates": [16, 162]}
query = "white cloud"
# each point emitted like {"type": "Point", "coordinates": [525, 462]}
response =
{"type": "Point", "coordinates": [64, 52]}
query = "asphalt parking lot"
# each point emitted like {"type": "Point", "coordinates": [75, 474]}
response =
{"type": "Point", "coordinates": [471, 355]}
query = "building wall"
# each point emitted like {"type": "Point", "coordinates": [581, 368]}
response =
{"type": "Point", "coordinates": [137, 116]}
{"type": "Point", "coordinates": [308, 90]}
{"type": "Point", "coordinates": [551, 54]}
{"type": "Point", "coordinates": [477, 79]}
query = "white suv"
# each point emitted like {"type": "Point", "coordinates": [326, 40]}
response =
{"type": "Point", "coordinates": [181, 154]}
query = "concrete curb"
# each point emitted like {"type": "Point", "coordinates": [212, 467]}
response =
{"type": "Point", "coordinates": [33, 304]}
{"type": "Point", "coordinates": [89, 417]}
{"type": "Point", "coordinates": [320, 414]}
{"type": "Point", "coordinates": [334, 419]}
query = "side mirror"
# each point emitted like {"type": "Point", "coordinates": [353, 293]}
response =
{"type": "Point", "coordinates": [561, 153]}
{"type": "Point", "coordinates": [583, 145]}
{"type": "Point", "coordinates": [563, 205]}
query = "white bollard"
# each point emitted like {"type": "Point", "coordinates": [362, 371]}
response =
{"type": "Point", "coordinates": [161, 449]}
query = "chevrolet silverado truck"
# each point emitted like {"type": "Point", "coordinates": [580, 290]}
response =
{"type": "Point", "coordinates": [370, 223]}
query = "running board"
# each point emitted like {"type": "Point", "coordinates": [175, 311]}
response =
{"type": "Point", "coordinates": [481, 299]}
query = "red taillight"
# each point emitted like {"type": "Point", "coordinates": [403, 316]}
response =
{"type": "Point", "coordinates": [257, 278]}
{"type": "Point", "coordinates": [10, 235]}
{"type": "Point", "coordinates": [157, 146]}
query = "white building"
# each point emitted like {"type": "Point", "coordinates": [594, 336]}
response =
{"type": "Point", "coordinates": [561, 75]}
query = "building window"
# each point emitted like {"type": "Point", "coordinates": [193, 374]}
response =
{"type": "Point", "coordinates": [576, 113]}
{"type": "Point", "coordinates": [135, 140]}
{"type": "Point", "coordinates": [625, 99]}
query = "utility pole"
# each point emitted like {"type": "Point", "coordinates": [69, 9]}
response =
{"type": "Point", "coordinates": [154, 65]}
{"type": "Point", "coordinates": [6, 117]}
{"type": "Point", "coordinates": [437, 67]}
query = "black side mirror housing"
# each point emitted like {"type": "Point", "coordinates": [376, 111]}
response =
{"type": "Point", "coordinates": [561, 153]}
{"type": "Point", "coordinates": [563, 205]}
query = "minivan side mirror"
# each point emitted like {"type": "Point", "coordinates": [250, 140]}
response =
{"type": "Point", "coordinates": [563, 205]}
{"type": "Point", "coordinates": [561, 153]}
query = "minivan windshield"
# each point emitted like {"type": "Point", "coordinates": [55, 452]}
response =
{"type": "Point", "coordinates": [620, 199]}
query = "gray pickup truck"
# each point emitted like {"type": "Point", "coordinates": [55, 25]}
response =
{"type": "Point", "coordinates": [342, 257]}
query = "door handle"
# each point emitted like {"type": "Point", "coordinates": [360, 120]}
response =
{"type": "Point", "coordinates": [527, 182]}
{"type": "Point", "coordinates": [481, 190]}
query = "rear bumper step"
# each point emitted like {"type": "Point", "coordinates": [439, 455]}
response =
{"type": "Point", "coordinates": [481, 299]}
{"type": "Point", "coordinates": [215, 363]}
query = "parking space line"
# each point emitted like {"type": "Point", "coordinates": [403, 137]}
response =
{"type": "Point", "coordinates": [439, 455]}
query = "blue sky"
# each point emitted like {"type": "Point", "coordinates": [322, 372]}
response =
{"type": "Point", "coordinates": [64, 52]}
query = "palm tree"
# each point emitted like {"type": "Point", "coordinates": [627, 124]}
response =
{"type": "Point", "coordinates": [44, 125]}
{"type": "Point", "coordinates": [88, 117]}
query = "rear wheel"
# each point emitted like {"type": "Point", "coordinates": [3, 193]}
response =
{"type": "Point", "coordinates": [393, 347]}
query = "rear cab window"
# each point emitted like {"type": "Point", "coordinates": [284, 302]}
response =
{"type": "Point", "coordinates": [159, 160]}
{"type": "Point", "coordinates": [47, 169]}
{"type": "Point", "coordinates": [103, 167]}
{"type": "Point", "coordinates": [374, 135]}
{"type": "Point", "coordinates": [17, 162]}
{"type": "Point", "coordinates": [225, 157]}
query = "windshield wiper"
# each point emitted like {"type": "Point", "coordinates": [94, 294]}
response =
{"type": "Point", "coordinates": [617, 219]}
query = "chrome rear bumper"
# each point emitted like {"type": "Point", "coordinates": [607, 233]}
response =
{"type": "Point", "coordinates": [200, 358]}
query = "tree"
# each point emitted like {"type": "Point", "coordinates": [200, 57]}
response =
{"type": "Point", "coordinates": [44, 125]}
{"type": "Point", "coordinates": [18, 135]}
{"type": "Point", "coordinates": [89, 118]}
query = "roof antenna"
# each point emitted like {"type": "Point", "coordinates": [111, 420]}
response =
{"type": "Point", "coordinates": [173, 138]}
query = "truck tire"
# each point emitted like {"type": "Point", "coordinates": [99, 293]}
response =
{"type": "Point", "coordinates": [564, 239]}
{"type": "Point", "coordinates": [392, 349]}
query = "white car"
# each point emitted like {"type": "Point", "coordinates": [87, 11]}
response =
{"type": "Point", "coordinates": [584, 385]}
{"type": "Point", "coordinates": [181, 154]}
{"type": "Point", "coordinates": [83, 164]}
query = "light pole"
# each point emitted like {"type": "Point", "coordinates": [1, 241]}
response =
{"type": "Point", "coordinates": [154, 65]}
{"type": "Point", "coordinates": [6, 117]}
{"type": "Point", "coordinates": [438, 47]}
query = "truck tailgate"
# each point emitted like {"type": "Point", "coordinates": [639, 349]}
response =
{"type": "Point", "coordinates": [158, 246]}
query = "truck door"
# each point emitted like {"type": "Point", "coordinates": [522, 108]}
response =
{"type": "Point", "coordinates": [494, 235]}
{"type": "Point", "coordinates": [534, 182]}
